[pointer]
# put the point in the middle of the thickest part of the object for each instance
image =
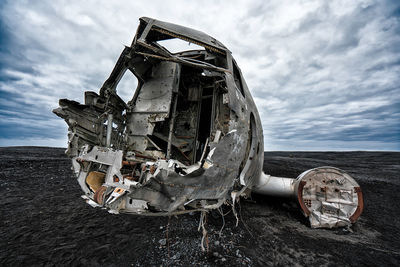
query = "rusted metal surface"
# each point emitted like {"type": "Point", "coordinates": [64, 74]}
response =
{"type": "Point", "coordinates": [99, 194]}
{"type": "Point", "coordinates": [300, 198]}
{"type": "Point", "coordinates": [360, 206]}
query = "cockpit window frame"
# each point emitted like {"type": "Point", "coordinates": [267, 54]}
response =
{"type": "Point", "coordinates": [237, 76]}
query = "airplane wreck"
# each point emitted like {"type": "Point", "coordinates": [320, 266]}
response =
{"type": "Point", "coordinates": [190, 139]}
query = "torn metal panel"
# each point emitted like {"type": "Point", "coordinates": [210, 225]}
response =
{"type": "Point", "coordinates": [189, 139]}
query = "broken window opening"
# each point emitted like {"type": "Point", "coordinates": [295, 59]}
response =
{"type": "Point", "coordinates": [181, 46]}
{"type": "Point", "coordinates": [238, 78]}
{"type": "Point", "coordinates": [153, 34]}
{"type": "Point", "coordinates": [127, 86]}
{"type": "Point", "coordinates": [177, 45]}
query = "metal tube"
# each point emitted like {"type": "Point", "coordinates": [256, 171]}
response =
{"type": "Point", "coordinates": [213, 105]}
{"type": "Point", "coordinates": [200, 94]}
{"type": "Point", "coordinates": [171, 126]}
{"type": "Point", "coordinates": [275, 186]}
{"type": "Point", "coordinates": [109, 129]}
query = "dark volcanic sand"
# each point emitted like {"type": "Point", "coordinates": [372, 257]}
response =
{"type": "Point", "coordinates": [45, 222]}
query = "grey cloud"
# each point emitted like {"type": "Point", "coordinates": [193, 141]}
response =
{"type": "Point", "coordinates": [323, 74]}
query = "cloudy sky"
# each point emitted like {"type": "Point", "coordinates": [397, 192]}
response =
{"type": "Point", "coordinates": [325, 74]}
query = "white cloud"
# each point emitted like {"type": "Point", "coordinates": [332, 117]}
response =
{"type": "Point", "coordinates": [318, 70]}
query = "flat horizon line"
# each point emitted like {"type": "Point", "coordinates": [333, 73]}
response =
{"type": "Point", "coordinates": [302, 151]}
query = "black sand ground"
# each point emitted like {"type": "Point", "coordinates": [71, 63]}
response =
{"type": "Point", "coordinates": [45, 222]}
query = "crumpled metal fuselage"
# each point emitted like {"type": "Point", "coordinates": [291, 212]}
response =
{"type": "Point", "coordinates": [190, 138]}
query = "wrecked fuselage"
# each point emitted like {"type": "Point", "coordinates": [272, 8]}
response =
{"type": "Point", "coordinates": [189, 139]}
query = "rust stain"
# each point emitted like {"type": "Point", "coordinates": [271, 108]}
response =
{"type": "Point", "coordinates": [98, 196]}
{"type": "Point", "coordinates": [300, 198]}
{"type": "Point", "coordinates": [360, 206]}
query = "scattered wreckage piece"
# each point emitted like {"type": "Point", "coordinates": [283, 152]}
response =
{"type": "Point", "coordinates": [189, 139]}
{"type": "Point", "coordinates": [328, 196]}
